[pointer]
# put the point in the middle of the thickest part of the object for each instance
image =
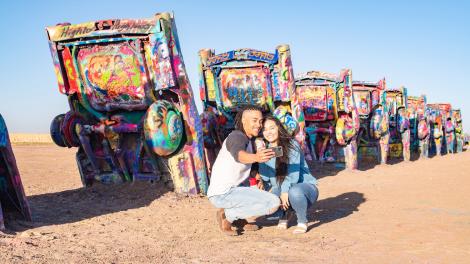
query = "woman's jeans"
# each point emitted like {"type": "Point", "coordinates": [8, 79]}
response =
{"type": "Point", "coordinates": [245, 202]}
{"type": "Point", "coordinates": [301, 197]}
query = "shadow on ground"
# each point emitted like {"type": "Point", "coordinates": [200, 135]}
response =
{"type": "Point", "coordinates": [75, 205]}
{"type": "Point", "coordinates": [327, 210]}
{"type": "Point", "coordinates": [334, 208]}
{"type": "Point", "coordinates": [320, 170]}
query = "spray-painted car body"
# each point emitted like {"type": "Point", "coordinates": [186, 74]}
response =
{"type": "Point", "coordinates": [439, 113]}
{"type": "Point", "coordinates": [399, 123]}
{"type": "Point", "coordinates": [373, 137]}
{"type": "Point", "coordinates": [12, 198]}
{"type": "Point", "coordinates": [466, 141]}
{"type": "Point", "coordinates": [331, 119]}
{"type": "Point", "coordinates": [246, 76]}
{"type": "Point", "coordinates": [132, 112]}
{"type": "Point", "coordinates": [458, 130]}
{"type": "Point", "coordinates": [419, 125]}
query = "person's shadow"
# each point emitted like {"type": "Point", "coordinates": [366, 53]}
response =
{"type": "Point", "coordinates": [334, 208]}
{"type": "Point", "coordinates": [326, 210]}
{"type": "Point", "coordinates": [84, 203]}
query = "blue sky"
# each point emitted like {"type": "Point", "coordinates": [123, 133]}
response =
{"type": "Point", "coordinates": [423, 45]}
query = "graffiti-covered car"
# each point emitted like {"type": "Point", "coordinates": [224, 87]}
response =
{"type": "Point", "coordinates": [331, 118]}
{"type": "Point", "coordinates": [459, 134]}
{"type": "Point", "coordinates": [419, 125]}
{"type": "Point", "coordinates": [13, 203]}
{"type": "Point", "coordinates": [466, 141]}
{"type": "Point", "coordinates": [370, 99]}
{"type": "Point", "coordinates": [399, 123]}
{"type": "Point", "coordinates": [442, 127]}
{"type": "Point", "coordinates": [245, 76]}
{"type": "Point", "coordinates": [132, 112]}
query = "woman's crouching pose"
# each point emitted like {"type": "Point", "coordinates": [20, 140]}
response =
{"type": "Point", "coordinates": [288, 176]}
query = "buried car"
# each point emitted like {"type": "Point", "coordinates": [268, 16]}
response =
{"type": "Point", "coordinates": [419, 125]}
{"type": "Point", "coordinates": [442, 127]}
{"type": "Point", "coordinates": [459, 134]}
{"type": "Point", "coordinates": [331, 118]}
{"type": "Point", "coordinates": [245, 76]}
{"type": "Point", "coordinates": [132, 112]}
{"type": "Point", "coordinates": [399, 123]}
{"type": "Point", "coordinates": [373, 138]}
{"type": "Point", "coordinates": [13, 203]}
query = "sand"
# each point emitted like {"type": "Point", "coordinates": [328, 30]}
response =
{"type": "Point", "coordinates": [415, 212]}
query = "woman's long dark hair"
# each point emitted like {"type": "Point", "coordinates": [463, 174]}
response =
{"type": "Point", "coordinates": [284, 141]}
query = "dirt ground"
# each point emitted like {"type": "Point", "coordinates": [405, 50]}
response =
{"type": "Point", "coordinates": [415, 212]}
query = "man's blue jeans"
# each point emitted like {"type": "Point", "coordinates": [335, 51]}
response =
{"type": "Point", "coordinates": [301, 197]}
{"type": "Point", "coordinates": [245, 202]}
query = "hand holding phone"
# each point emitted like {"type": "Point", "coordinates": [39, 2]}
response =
{"type": "Point", "coordinates": [277, 151]}
{"type": "Point", "coordinates": [264, 155]}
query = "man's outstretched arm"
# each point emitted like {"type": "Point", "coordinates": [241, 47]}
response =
{"type": "Point", "coordinates": [260, 156]}
{"type": "Point", "coordinates": [237, 143]}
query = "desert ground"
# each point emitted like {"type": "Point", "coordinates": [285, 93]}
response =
{"type": "Point", "coordinates": [414, 212]}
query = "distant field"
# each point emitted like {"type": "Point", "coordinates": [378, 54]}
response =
{"type": "Point", "coordinates": [24, 138]}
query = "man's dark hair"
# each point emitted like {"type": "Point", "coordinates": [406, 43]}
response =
{"type": "Point", "coordinates": [238, 117]}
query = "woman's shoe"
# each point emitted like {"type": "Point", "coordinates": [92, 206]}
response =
{"type": "Point", "coordinates": [284, 220]}
{"type": "Point", "coordinates": [301, 228]}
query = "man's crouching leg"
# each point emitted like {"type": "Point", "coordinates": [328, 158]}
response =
{"type": "Point", "coordinates": [248, 204]}
{"type": "Point", "coordinates": [249, 223]}
{"type": "Point", "coordinates": [224, 225]}
{"type": "Point", "coordinates": [242, 203]}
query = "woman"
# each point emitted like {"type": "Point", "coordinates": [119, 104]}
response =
{"type": "Point", "coordinates": [288, 176]}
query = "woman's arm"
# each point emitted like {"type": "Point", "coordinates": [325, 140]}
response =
{"type": "Point", "coordinates": [306, 174]}
{"type": "Point", "coordinates": [266, 170]}
{"type": "Point", "coordinates": [293, 169]}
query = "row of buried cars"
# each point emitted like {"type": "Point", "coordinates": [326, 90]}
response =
{"type": "Point", "coordinates": [133, 115]}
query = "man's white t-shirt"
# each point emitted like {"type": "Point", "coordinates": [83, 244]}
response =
{"type": "Point", "coordinates": [227, 171]}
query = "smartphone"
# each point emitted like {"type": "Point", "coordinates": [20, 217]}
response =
{"type": "Point", "coordinates": [277, 151]}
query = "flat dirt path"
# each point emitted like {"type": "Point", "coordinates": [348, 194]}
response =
{"type": "Point", "coordinates": [416, 212]}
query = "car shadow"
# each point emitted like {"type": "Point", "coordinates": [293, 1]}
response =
{"type": "Point", "coordinates": [325, 169]}
{"type": "Point", "coordinates": [367, 163]}
{"type": "Point", "coordinates": [84, 203]}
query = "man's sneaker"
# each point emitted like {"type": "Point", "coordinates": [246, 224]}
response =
{"type": "Point", "coordinates": [243, 224]}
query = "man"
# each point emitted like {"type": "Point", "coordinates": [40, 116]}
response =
{"type": "Point", "coordinates": [232, 167]}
